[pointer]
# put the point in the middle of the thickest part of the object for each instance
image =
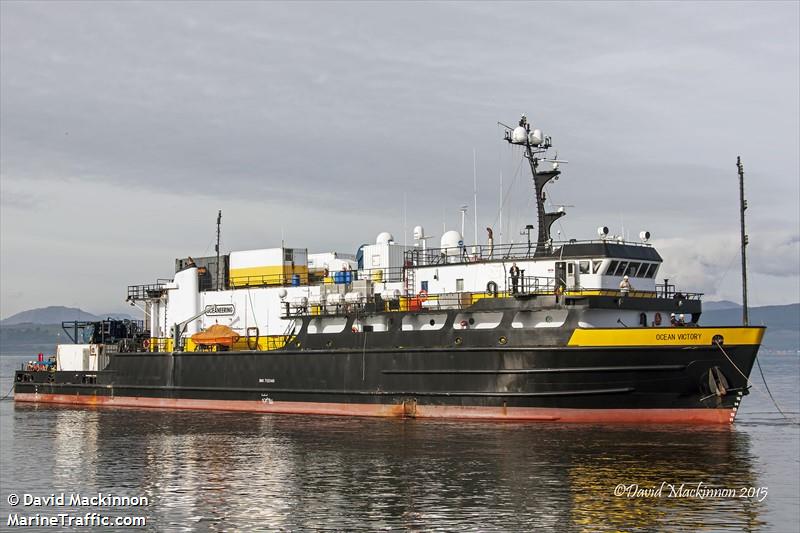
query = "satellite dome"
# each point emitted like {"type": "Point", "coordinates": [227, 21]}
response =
{"type": "Point", "coordinates": [452, 241]}
{"type": "Point", "coordinates": [536, 137]}
{"type": "Point", "coordinates": [384, 238]}
{"type": "Point", "coordinates": [282, 293]}
{"type": "Point", "coordinates": [520, 135]}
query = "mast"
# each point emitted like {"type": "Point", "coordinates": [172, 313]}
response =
{"type": "Point", "coordinates": [536, 143]}
{"type": "Point", "coordinates": [744, 240]}
{"type": "Point", "coordinates": [219, 223]}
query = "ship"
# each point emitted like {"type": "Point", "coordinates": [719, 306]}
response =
{"type": "Point", "coordinates": [543, 330]}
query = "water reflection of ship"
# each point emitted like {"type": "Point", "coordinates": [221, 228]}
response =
{"type": "Point", "coordinates": [241, 472]}
{"type": "Point", "coordinates": [665, 459]}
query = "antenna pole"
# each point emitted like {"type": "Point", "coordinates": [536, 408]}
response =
{"type": "Point", "coordinates": [219, 223]}
{"type": "Point", "coordinates": [744, 240]}
{"type": "Point", "coordinates": [475, 191]}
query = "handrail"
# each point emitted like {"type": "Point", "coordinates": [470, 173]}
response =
{"type": "Point", "coordinates": [484, 252]}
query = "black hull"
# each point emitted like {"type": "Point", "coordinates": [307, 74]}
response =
{"type": "Point", "coordinates": [669, 384]}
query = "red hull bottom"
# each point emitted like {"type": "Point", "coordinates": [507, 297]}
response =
{"type": "Point", "coordinates": [540, 414]}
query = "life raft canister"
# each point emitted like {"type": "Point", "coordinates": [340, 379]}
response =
{"type": "Point", "coordinates": [491, 288]}
{"type": "Point", "coordinates": [657, 319]}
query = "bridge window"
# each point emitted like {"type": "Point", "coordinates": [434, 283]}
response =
{"type": "Point", "coordinates": [620, 271]}
{"type": "Point", "coordinates": [583, 267]}
{"type": "Point", "coordinates": [632, 269]}
{"type": "Point", "coordinates": [612, 267]}
{"type": "Point", "coordinates": [596, 266]}
{"type": "Point", "coordinates": [651, 271]}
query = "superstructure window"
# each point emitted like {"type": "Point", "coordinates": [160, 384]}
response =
{"type": "Point", "coordinates": [288, 254]}
{"type": "Point", "coordinates": [596, 266]}
{"type": "Point", "coordinates": [620, 271]}
{"type": "Point", "coordinates": [612, 267]}
{"type": "Point", "coordinates": [651, 271]}
{"type": "Point", "coordinates": [583, 267]}
{"type": "Point", "coordinates": [632, 269]}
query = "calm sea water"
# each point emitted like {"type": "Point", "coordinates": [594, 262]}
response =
{"type": "Point", "coordinates": [244, 472]}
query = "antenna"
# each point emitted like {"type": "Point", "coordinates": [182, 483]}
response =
{"type": "Point", "coordinates": [463, 217]}
{"type": "Point", "coordinates": [405, 219]}
{"type": "Point", "coordinates": [216, 248]}
{"type": "Point", "coordinates": [744, 240]}
{"type": "Point", "coordinates": [475, 190]}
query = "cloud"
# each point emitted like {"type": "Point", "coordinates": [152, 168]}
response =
{"type": "Point", "coordinates": [320, 118]}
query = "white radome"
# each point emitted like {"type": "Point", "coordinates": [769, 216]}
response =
{"type": "Point", "coordinates": [282, 293]}
{"type": "Point", "coordinates": [384, 238]}
{"type": "Point", "coordinates": [419, 232]}
{"type": "Point", "coordinates": [452, 239]}
{"type": "Point", "coordinates": [536, 137]}
{"type": "Point", "coordinates": [520, 135]}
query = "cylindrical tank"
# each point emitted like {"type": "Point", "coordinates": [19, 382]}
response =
{"type": "Point", "coordinates": [353, 297]}
{"type": "Point", "coordinates": [185, 301]}
{"type": "Point", "coordinates": [335, 299]}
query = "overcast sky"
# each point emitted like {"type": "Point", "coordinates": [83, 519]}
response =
{"type": "Point", "coordinates": [125, 126]}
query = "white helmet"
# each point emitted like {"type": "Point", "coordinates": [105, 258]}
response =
{"type": "Point", "coordinates": [682, 316]}
{"type": "Point", "coordinates": [625, 277]}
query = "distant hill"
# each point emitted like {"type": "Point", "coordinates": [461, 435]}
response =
{"type": "Point", "coordinates": [55, 315]}
{"type": "Point", "coordinates": [721, 304]}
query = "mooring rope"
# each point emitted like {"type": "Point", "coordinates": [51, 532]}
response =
{"type": "Point", "coordinates": [750, 383]}
{"type": "Point", "coordinates": [8, 393]}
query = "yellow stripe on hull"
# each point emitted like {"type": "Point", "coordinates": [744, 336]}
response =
{"type": "Point", "coordinates": [672, 336]}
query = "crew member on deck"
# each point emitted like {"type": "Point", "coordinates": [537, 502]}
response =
{"type": "Point", "coordinates": [514, 273]}
{"type": "Point", "coordinates": [490, 242]}
{"type": "Point", "coordinates": [681, 319]}
{"type": "Point", "coordinates": [673, 320]}
{"type": "Point", "coordinates": [625, 286]}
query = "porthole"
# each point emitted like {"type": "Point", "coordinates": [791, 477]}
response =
{"type": "Point", "coordinates": [471, 321]}
{"type": "Point", "coordinates": [548, 318]}
{"type": "Point", "coordinates": [458, 341]}
{"type": "Point", "coordinates": [432, 322]}
{"type": "Point", "coordinates": [502, 340]}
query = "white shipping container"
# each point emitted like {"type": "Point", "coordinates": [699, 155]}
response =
{"type": "Point", "coordinates": [256, 258]}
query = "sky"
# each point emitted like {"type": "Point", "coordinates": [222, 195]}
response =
{"type": "Point", "coordinates": [125, 126]}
